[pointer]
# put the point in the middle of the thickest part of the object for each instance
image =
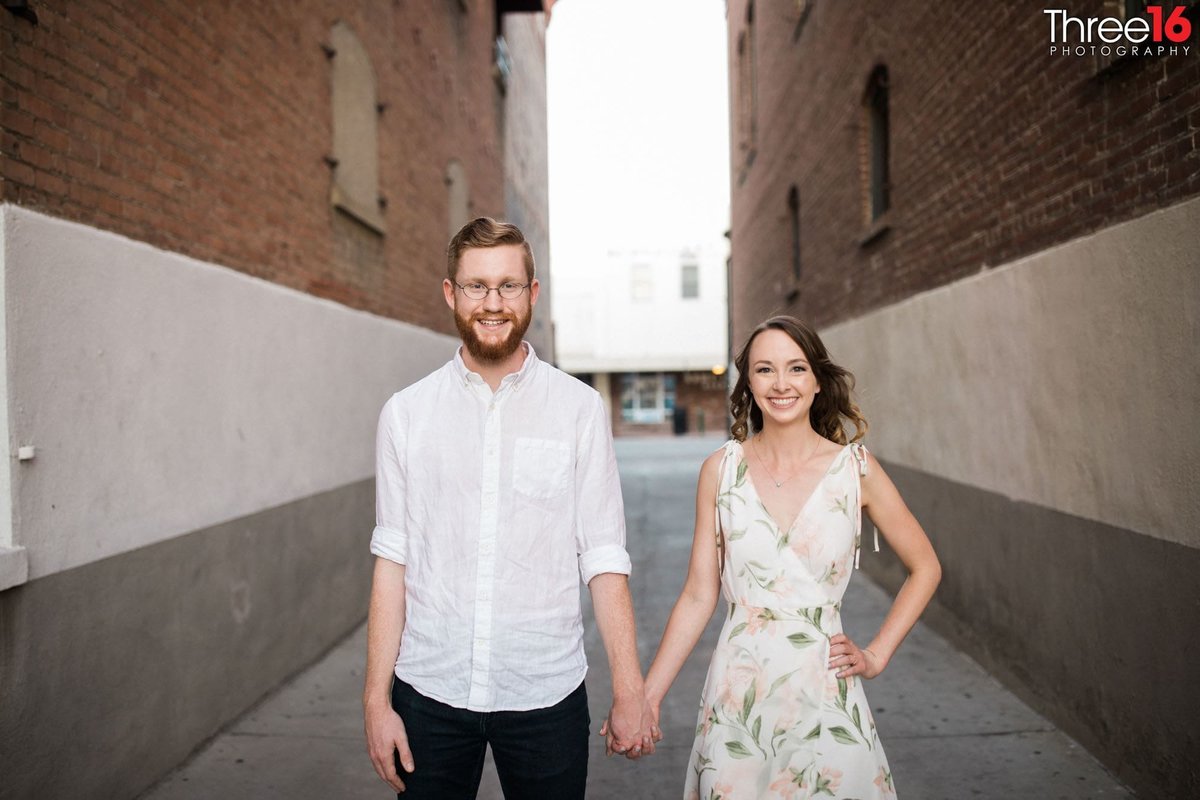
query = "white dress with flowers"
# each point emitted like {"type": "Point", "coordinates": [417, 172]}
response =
{"type": "Point", "coordinates": [774, 721]}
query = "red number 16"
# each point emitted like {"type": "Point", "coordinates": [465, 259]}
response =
{"type": "Point", "coordinates": [1177, 28]}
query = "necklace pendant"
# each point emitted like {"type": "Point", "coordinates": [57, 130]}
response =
{"type": "Point", "coordinates": [778, 484]}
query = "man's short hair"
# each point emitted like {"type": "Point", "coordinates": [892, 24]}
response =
{"type": "Point", "coordinates": [486, 232]}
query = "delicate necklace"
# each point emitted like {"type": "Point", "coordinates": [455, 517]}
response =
{"type": "Point", "coordinates": [778, 483]}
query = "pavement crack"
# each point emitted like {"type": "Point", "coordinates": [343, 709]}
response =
{"type": "Point", "coordinates": [257, 735]}
{"type": "Point", "coordinates": [969, 735]}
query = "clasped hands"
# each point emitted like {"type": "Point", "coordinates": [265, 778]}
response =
{"type": "Point", "coordinates": [631, 728]}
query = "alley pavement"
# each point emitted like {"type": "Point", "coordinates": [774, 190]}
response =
{"type": "Point", "coordinates": [951, 732]}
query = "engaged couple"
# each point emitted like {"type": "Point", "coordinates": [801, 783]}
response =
{"type": "Point", "coordinates": [497, 491]}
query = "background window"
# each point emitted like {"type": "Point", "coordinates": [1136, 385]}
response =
{"type": "Point", "coordinates": [793, 201]}
{"type": "Point", "coordinates": [747, 86]}
{"type": "Point", "coordinates": [355, 130]}
{"type": "Point", "coordinates": [647, 398]}
{"type": "Point", "coordinates": [877, 120]}
{"type": "Point", "coordinates": [690, 276]}
{"type": "Point", "coordinates": [458, 197]}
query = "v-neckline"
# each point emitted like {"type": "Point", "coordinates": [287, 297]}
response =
{"type": "Point", "coordinates": [808, 500]}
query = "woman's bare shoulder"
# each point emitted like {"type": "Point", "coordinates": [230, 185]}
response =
{"type": "Point", "coordinates": [713, 461]}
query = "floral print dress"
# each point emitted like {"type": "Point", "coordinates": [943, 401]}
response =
{"type": "Point", "coordinates": [774, 721]}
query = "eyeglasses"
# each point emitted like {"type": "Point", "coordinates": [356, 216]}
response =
{"type": "Point", "coordinates": [478, 291]}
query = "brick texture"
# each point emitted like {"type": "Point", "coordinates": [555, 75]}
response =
{"type": "Point", "coordinates": [998, 149]}
{"type": "Point", "coordinates": [203, 129]}
{"type": "Point", "coordinates": [706, 399]}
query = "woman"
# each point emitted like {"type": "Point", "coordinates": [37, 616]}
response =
{"type": "Point", "coordinates": [783, 714]}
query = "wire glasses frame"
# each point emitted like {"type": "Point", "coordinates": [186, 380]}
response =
{"type": "Point", "coordinates": [478, 291]}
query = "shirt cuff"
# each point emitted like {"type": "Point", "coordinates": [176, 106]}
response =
{"type": "Point", "coordinates": [606, 558]}
{"type": "Point", "coordinates": [390, 543]}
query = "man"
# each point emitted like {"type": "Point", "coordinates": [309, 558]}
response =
{"type": "Point", "coordinates": [496, 486]}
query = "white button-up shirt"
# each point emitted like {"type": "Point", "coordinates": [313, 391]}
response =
{"type": "Point", "coordinates": [497, 504]}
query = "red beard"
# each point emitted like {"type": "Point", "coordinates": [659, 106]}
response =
{"type": "Point", "coordinates": [492, 351]}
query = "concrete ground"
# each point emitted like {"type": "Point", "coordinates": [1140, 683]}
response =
{"type": "Point", "coordinates": [950, 731]}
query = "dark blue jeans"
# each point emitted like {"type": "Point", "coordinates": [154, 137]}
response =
{"type": "Point", "coordinates": [539, 754]}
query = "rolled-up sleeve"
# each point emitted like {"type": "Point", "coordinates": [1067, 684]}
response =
{"type": "Point", "coordinates": [390, 537]}
{"type": "Point", "coordinates": [599, 508]}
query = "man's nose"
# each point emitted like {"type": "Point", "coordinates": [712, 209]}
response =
{"type": "Point", "coordinates": [493, 301]}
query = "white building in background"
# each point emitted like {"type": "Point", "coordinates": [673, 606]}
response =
{"type": "Point", "coordinates": [648, 329]}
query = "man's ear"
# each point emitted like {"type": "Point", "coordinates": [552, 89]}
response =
{"type": "Point", "coordinates": [448, 290]}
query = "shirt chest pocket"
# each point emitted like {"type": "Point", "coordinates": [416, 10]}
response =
{"type": "Point", "coordinates": [541, 467]}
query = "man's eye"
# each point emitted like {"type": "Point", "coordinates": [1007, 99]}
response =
{"type": "Point", "coordinates": [510, 285]}
{"type": "Point", "coordinates": [475, 287]}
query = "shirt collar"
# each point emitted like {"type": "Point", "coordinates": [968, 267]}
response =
{"type": "Point", "coordinates": [514, 378]}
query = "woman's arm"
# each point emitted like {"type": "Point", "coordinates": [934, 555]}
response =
{"type": "Point", "coordinates": [696, 602]}
{"type": "Point", "coordinates": [887, 510]}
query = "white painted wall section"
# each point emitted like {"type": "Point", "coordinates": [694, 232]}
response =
{"type": "Point", "coordinates": [1066, 379]}
{"type": "Point", "coordinates": [14, 560]}
{"type": "Point", "coordinates": [165, 395]}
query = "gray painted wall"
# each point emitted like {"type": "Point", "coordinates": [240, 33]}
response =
{"type": "Point", "coordinates": [1091, 624]}
{"type": "Point", "coordinates": [197, 515]}
{"type": "Point", "coordinates": [113, 672]}
{"type": "Point", "coordinates": [1040, 419]}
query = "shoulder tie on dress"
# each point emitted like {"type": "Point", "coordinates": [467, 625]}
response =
{"type": "Point", "coordinates": [859, 451]}
{"type": "Point", "coordinates": [719, 533]}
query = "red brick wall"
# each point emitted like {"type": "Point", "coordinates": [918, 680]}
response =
{"type": "Point", "coordinates": [623, 428]}
{"type": "Point", "coordinates": [704, 396]}
{"type": "Point", "coordinates": [998, 149]}
{"type": "Point", "coordinates": [202, 129]}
